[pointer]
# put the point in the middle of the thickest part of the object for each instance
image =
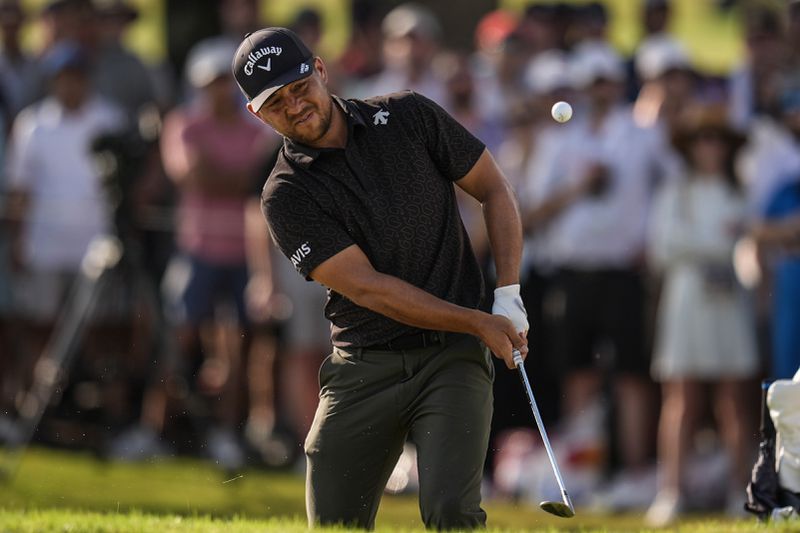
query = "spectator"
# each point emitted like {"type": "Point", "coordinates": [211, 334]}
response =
{"type": "Point", "coordinates": [491, 35]}
{"type": "Point", "coordinates": [768, 164]}
{"type": "Point", "coordinates": [499, 80]}
{"type": "Point", "coordinates": [62, 21]}
{"type": "Point", "coordinates": [461, 100]}
{"type": "Point", "coordinates": [362, 57]}
{"type": "Point", "coordinates": [8, 359]}
{"type": "Point", "coordinates": [771, 158]}
{"type": "Point", "coordinates": [779, 235]}
{"type": "Point", "coordinates": [281, 302]}
{"type": "Point", "coordinates": [792, 71]}
{"type": "Point", "coordinates": [267, 308]}
{"type": "Point", "coordinates": [238, 17]}
{"type": "Point", "coordinates": [308, 26]}
{"type": "Point", "coordinates": [56, 204]}
{"type": "Point", "coordinates": [142, 93]}
{"type": "Point", "coordinates": [547, 81]}
{"type": "Point", "coordinates": [775, 170]}
{"type": "Point", "coordinates": [541, 28]}
{"type": "Point", "coordinates": [492, 29]}
{"type": "Point", "coordinates": [211, 151]}
{"type": "Point", "coordinates": [704, 331]}
{"type": "Point", "coordinates": [119, 75]}
{"type": "Point", "coordinates": [594, 181]}
{"type": "Point", "coordinates": [306, 342]}
{"type": "Point", "coordinates": [669, 87]}
{"type": "Point", "coordinates": [589, 28]}
{"type": "Point", "coordinates": [68, 20]}
{"type": "Point", "coordinates": [656, 16]}
{"type": "Point", "coordinates": [755, 86]}
{"type": "Point", "coordinates": [411, 41]}
{"type": "Point", "coordinates": [16, 67]}
{"type": "Point", "coordinates": [529, 125]}
{"type": "Point", "coordinates": [664, 67]}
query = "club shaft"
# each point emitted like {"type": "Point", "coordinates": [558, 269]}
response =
{"type": "Point", "coordinates": [518, 361]}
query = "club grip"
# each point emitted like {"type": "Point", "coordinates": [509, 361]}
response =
{"type": "Point", "coordinates": [517, 357]}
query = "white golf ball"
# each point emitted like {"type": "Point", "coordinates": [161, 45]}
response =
{"type": "Point", "coordinates": [561, 111]}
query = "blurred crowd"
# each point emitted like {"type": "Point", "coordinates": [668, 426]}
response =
{"type": "Point", "coordinates": [661, 269]}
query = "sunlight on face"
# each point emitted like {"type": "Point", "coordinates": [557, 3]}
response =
{"type": "Point", "coordinates": [302, 110]}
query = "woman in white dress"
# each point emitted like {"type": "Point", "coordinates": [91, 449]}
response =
{"type": "Point", "coordinates": [704, 333]}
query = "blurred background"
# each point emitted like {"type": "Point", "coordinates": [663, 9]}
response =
{"type": "Point", "coordinates": [661, 271]}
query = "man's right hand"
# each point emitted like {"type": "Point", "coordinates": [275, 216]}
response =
{"type": "Point", "coordinates": [500, 336]}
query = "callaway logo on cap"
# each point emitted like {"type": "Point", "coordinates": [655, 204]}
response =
{"type": "Point", "coordinates": [267, 60]}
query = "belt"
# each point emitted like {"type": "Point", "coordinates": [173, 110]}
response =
{"type": "Point", "coordinates": [412, 341]}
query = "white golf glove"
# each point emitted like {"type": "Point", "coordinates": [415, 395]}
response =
{"type": "Point", "coordinates": [507, 302]}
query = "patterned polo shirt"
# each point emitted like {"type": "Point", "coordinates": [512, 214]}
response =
{"type": "Point", "coordinates": [390, 191]}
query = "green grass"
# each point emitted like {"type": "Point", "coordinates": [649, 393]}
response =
{"type": "Point", "coordinates": [59, 491]}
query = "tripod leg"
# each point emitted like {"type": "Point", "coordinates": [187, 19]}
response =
{"type": "Point", "coordinates": [102, 256]}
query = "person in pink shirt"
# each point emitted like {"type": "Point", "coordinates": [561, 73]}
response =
{"type": "Point", "coordinates": [213, 153]}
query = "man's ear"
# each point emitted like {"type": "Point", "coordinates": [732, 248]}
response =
{"type": "Point", "coordinates": [321, 69]}
{"type": "Point", "coordinates": [254, 112]}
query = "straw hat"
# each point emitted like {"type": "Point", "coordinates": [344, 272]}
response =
{"type": "Point", "coordinates": [703, 119]}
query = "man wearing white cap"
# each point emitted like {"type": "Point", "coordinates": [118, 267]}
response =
{"type": "Point", "coordinates": [411, 36]}
{"type": "Point", "coordinates": [212, 152]}
{"type": "Point", "coordinates": [595, 173]}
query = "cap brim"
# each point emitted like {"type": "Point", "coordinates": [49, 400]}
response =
{"type": "Point", "coordinates": [289, 77]}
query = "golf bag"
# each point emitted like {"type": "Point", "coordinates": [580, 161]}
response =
{"type": "Point", "coordinates": [774, 488]}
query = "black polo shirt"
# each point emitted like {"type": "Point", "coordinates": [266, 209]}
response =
{"type": "Point", "coordinates": [390, 191]}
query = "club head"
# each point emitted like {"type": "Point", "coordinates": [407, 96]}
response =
{"type": "Point", "coordinates": [557, 508]}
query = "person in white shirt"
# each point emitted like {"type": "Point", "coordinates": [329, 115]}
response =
{"type": "Point", "coordinates": [56, 199]}
{"type": "Point", "coordinates": [771, 158]}
{"type": "Point", "coordinates": [669, 86]}
{"type": "Point", "coordinates": [595, 176]}
{"type": "Point", "coordinates": [411, 41]}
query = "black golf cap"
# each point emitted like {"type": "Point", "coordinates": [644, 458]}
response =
{"type": "Point", "coordinates": [268, 59]}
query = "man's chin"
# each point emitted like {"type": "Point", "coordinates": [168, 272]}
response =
{"type": "Point", "coordinates": [310, 133]}
{"type": "Point", "coordinates": [307, 138]}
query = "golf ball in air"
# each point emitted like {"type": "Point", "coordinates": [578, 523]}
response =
{"type": "Point", "coordinates": [561, 111]}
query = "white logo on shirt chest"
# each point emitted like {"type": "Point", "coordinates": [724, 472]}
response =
{"type": "Point", "coordinates": [300, 254]}
{"type": "Point", "coordinates": [381, 117]}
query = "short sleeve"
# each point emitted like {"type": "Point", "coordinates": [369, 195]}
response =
{"type": "Point", "coordinates": [305, 234]}
{"type": "Point", "coordinates": [21, 160]}
{"type": "Point", "coordinates": [174, 154]}
{"type": "Point", "coordinates": [541, 173]}
{"type": "Point", "coordinates": [453, 149]}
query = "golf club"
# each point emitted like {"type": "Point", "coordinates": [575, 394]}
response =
{"type": "Point", "coordinates": [563, 508]}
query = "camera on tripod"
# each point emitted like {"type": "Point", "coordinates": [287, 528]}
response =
{"type": "Point", "coordinates": [120, 158]}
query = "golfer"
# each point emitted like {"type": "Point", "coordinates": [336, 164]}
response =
{"type": "Point", "coordinates": [361, 200]}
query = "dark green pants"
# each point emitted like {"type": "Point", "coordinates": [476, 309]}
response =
{"type": "Point", "coordinates": [439, 398]}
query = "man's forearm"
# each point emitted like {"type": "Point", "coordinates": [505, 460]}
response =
{"type": "Point", "coordinates": [407, 304]}
{"type": "Point", "coordinates": [504, 227]}
{"type": "Point", "coordinates": [350, 274]}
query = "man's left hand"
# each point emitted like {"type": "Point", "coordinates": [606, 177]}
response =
{"type": "Point", "coordinates": [508, 303]}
